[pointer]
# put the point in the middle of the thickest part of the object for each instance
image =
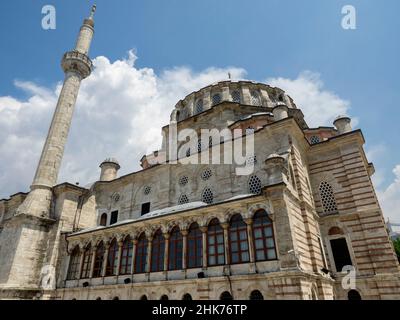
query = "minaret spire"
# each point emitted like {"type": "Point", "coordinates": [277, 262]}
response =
{"type": "Point", "coordinates": [93, 12]}
{"type": "Point", "coordinates": [77, 66]}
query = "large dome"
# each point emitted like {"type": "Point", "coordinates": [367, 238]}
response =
{"type": "Point", "coordinates": [241, 92]}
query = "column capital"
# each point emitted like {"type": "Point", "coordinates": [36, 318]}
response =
{"type": "Point", "coordinates": [225, 225]}
{"type": "Point", "coordinates": [203, 229]}
{"type": "Point", "coordinates": [248, 221]}
{"type": "Point", "coordinates": [184, 233]}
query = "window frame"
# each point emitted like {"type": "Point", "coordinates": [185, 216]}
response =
{"type": "Point", "coordinates": [157, 252]}
{"type": "Point", "coordinates": [214, 233]}
{"type": "Point", "coordinates": [98, 261]}
{"type": "Point", "coordinates": [141, 253]}
{"type": "Point", "coordinates": [237, 231]}
{"type": "Point", "coordinates": [175, 250]}
{"type": "Point", "coordinates": [264, 238]}
{"type": "Point", "coordinates": [85, 272]}
{"type": "Point", "coordinates": [74, 263]}
{"type": "Point", "coordinates": [197, 239]}
{"type": "Point", "coordinates": [125, 266]}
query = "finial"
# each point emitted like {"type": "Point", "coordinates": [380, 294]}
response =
{"type": "Point", "coordinates": [229, 75]}
{"type": "Point", "coordinates": [92, 12]}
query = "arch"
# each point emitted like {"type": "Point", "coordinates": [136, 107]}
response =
{"type": "Point", "coordinates": [115, 298]}
{"type": "Point", "coordinates": [215, 243]}
{"type": "Point", "coordinates": [143, 297]}
{"type": "Point", "coordinates": [73, 269]}
{"type": "Point", "coordinates": [238, 240]}
{"type": "Point", "coordinates": [255, 185]}
{"type": "Point", "coordinates": [157, 252]}
{"type": "Point", "coordinates": [226, 295]}
{"type": "Point", "coordinates": [87, 261]}
{"type": "Point", "coordinates": [103, 219]}
{"type": "Point", "coordinates": [256, 295]}
{"type": "Point", "coordinates": [98, 298]}
{"type": "Point", "coordinates": [263, 235]}
{"type": "Point", "coordinates": [126, 256]}
{"type": "Point", "coordinates": [353, 295]}
{"type": "Point", "coordinates": [199, 106]}
{"type": "Point", "coordinates": [141, 254]}
{"type": "Point", "coordinates": [187, 297]}
{"type": "Point", "coordinates": [164, 297]}
{"type": "Point", "coordinates": [327, 196]}
{"type": "Point", "coordinates": [98, 260]}
{"type": "Point", "coordinates": [194, 256]}
{"type": "Point", "coordinates": [335, 231]}
{"type": "Point", "coordinates": [216, 99]}
{"type": "Point", "coordinates": [207, 196]}
{"type": "Point", "coordinates": [112, 258]}
{"type": "Point", "coordinates": [175, 252]}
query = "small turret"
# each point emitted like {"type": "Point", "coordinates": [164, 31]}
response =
{"type": "Point", "coordinates": [280, 112]}
{"type": "Point", "coordinates": [342, 124]}
{"type": "Point", "coordinates": [109, 169]}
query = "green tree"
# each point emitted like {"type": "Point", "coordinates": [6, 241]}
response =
{"type": "Point", "coordinates": [397, 247]}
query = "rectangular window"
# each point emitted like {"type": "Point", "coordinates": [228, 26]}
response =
{"type": "Point", "coordinates": [340, 253]}
{"type": "Point", "coordinates": [114, 217]}
{"type": "Point", "coordinates": [145, 208]}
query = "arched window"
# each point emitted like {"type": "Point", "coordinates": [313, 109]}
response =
{"type": "Point", "coordinates": [141, 254]}
{"type": "Point", "coordinates": [73, 270]}
{"type": "Point", "coordinates": [157, 252]}
{"type": "Point", "coordinates": [207, 196]}
{"type": "Point", "coordinates": [255, 98]}
{"type": "Point", "coordinates": [216, 98]}
{"type": "Point", "coordinates": [143, 297]}
{"type": "Point", "coordinates": [183, 199]}
{"type": "Point", "coordinates": [194, 247]}
{"type": "Point", "coordinates": [187, 297]}
{"type": "Point", "coordinates": [236, 96]}
{"type": "Point", "coordinates": [175, 250]}
{"type": "Point", "coordinates": [98, 260]}
{"type": "Point", "coordinates": [112, 259]}
{"type": "Point", "coordinates": [314, 140]}
{"type": "Point", "coordinates": [199, 146]}
{"type": "Point", "coordinates": [126, 256]}
{"type": "Point", "coordinates": [164, 297]}
{"type": "Point", "coordinates": [215, 244]}
{"type": "Point", "coordinates": [87, 262]}
{"type": "Point", "coordinates": [341, 254]}
{"type": "Point", "coordinates": [225, 296]}
{"type": "Point", "coordinates": [103, 219]}
{"type": "Point", "coordinates": [238, 242]}
{"type": "Point", "coordinates": [353, 295]}
{"type": "Point", "coordinates": [263, 233]}
{"type": "Point", "coordinates": [256, 295]}
{"type": "Point", "coordinates": [199, 106]}
{"type": "Point", "coordinates": [327, 198]}
{"type": "Point", "coordinates": [254, 185]}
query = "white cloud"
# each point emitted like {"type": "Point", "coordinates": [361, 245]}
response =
{"type": "Point", "coordinates": [119, 113]}
{"type": "Point", "coordinates": [390, 197]}
{"type": "Point", "coordinates": [320, 106]}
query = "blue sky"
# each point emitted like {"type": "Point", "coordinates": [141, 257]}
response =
{"type": "Point", "coordinates": [267, 38]}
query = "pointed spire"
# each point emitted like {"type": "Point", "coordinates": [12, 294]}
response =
{"type": "Point", "coordinates": [92, 12]}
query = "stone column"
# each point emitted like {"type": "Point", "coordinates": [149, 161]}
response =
{"type": "Point", "coordinates": [184, 249]}
{"type": "Point", "coordinates": [166, 251]}
{"type": "Point", "coordinates": [148, 262]}
{"type": "Point", "coordinates": [135, 242]}
{"type": "Point", "coordinates": [105, 259]}
{"type": "Point", "coordinates": [204, 245]}
{"type": "Point", "coordinates": [249, 223]}
{"type": "Point", "coordinates": [120, 244]}
{"type": "Point", "coordinates": [93, 260]}
{"type": "Point", "coordinates": [82, 252]}
{"type": "Point", "coordinates": [225, 226]}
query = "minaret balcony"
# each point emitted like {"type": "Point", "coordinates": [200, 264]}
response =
{"type": "Point", "coordinates": [75, 61]}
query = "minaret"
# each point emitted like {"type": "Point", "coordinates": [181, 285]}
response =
{"type": "Point", "coordinates": [77, 66]}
